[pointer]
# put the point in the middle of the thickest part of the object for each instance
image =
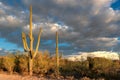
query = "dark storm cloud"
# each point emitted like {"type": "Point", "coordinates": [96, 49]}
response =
{"type": "Point", "coordinates": [87, 25]}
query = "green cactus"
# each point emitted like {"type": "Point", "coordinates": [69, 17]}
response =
{"type": "Point", "coordinates": [30, 50]}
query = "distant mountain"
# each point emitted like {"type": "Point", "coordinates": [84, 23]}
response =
{"type": "Point", "coordinates": [83, 55]}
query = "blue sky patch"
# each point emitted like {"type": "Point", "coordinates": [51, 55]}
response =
{"type": "Point", "coordinates": [116, 5]}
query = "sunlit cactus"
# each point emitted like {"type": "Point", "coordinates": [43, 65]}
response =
{"type": "Point", "coordinates": [57, 56]}
{"type": "Point", "coordinates": [30, 50]}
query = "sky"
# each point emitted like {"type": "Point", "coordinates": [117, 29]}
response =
{"type": "Point", "coordinates": [83, 25]}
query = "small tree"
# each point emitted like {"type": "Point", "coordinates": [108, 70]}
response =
{"type": "Point", "coordinates": [30, 50]}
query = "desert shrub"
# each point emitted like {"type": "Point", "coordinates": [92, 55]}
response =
{"type": "Point", "coordinates": [116, 64]}
{"type": "Point", "coordinates": [45, 65]}
{"type": "Point", "coordinates": [1, 63]}
{"type": "Point", "coordinates": [74, 68]}
{"type": "Point", "coordinates": [113, 72]}
{"type": "Point", "coordinates": [23, 63]}
{"type": "Point", "coordinates": [17, 56]}
{"type": "Point", "coordinates": [37, 62]}
{"type": "Point", "coordinates": [93, 68]}
{"type": "Point", "coordinates": [42, 63]}
{"type": "Point", "coordinates": [102, 67]}
{"type": "Point", "coordinates": [101, 63]}
{"type": "Point", "coordinates": [8, 62]}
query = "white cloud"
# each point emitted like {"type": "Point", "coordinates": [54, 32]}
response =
{"type": "Point", "coordinates": [1, 49]}
{"type": "Point", "coordinates": [49, 28]}
{"type": "Point", "coordinates": [102, 3]}
{"type": "Point", "coordinates": [103, 54]}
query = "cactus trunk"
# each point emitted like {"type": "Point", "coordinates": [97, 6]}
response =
{"type": "Point", "coordinates": [57, 56]}
{"type": "Point", "coordinates": [30, 66]}
{"type": "Point", "coordinates": [31, 44]}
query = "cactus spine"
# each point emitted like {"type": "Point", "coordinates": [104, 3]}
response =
{"type": "Point", "coordinates": [57, 56]}
{"type": "Point", "coordinates": [30, 50]}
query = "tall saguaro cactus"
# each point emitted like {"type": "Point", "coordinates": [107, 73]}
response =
{"type": "Point", "coordinates": [57, 56]}
{"type": "Point", "coordinates": [30, 50]}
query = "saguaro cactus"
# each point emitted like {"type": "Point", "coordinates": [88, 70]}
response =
{"type": "Point", "coordinates": [30, 50]}
{"type": "Point", "coordinates": [57, 56]}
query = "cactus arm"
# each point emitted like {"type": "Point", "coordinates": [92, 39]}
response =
{"type": "Point", "coordinates": [38, 43]}
{"type": "Point", "coordinates": [23, 40]}
{"type": "Point", "coordinates": [25, 45]}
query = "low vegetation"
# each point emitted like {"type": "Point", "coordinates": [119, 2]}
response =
{"type": "Point", "coordinates": [44, 65]}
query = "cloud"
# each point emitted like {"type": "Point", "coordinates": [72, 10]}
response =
{"type": "Point", "coordinates": [2, 51]}
{"type": "Point", "coordinates": [103, 54]}
{"type": "Point", "coordinates": [87, 25]}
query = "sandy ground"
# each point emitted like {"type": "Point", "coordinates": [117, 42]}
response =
{"type": "Point", "coordinates": [6, 76]}
{"type": "Point", "coordinates": [19, 77]}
